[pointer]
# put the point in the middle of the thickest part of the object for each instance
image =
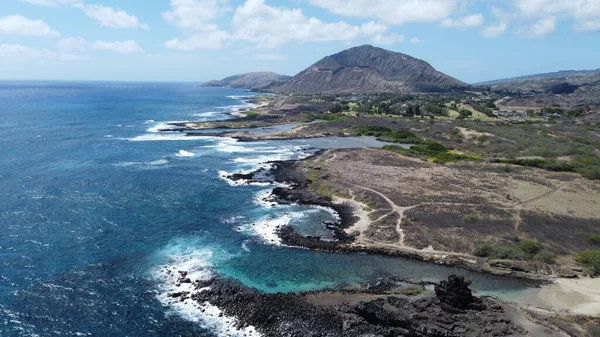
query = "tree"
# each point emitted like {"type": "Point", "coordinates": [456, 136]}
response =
{"type": "Point", "coordinates": [464, 113]}
{"type": "Point", "coordinates": [417, 109]}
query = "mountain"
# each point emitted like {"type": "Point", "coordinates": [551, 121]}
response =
{"type": "Point", "coordinates": [367, 69]}
{"type": "Point", "coordinates": [253, 81]}
{"type": "Point", "coordinates": [563, 74]}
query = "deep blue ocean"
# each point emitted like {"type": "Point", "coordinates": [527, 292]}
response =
{"type": "Point", "coordinates": [95, 205]}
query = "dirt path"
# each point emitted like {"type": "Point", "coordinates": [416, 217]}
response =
{"type": "Point", "coordinates": [545, 195]}
{"type": "Point", "coordinates": [395, 208]}
{"type": "Point", "coordinates": [365, 221]}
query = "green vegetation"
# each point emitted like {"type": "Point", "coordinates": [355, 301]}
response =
{"type": "Point", "coordinates": [386, 134]}
{"type": "Point", "coordinates": [487, 111]}
{"type": "Point", "coordinates": [434, 152]}
{"type": "Point", "coordinates": [594, 239]}
{"type": "Point", "coordinates": [464, 113]}
{"type": "Point", "coordinates": [411, 291]}
{"type": "Point", "coordinates": [329, 117]}
{"type": "Point", "coordinates": [545, 257]}
{"type": "Point", "coordinates": [251, 113]}
{"type": "Point", "coordinates": [588, 167]}
{"type": "Point", "coordinates": [483, 250]}
{"type": "Point", "coordinates": [591, 260]}
{"type": "Point", "coordinates": [527, 250]}
{"type": "Point", "coordinates": [508, 253]}
{"type": "Point", "coordinates": [530, 247]}
{"type": "Point", "coordinates": [470, 218]}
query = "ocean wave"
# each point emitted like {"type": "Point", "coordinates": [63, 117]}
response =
{"type": "Point", "coordinates": [166, 137]}
{"type": "Point", "coordinates": [184, 256]}
{"type": "Point", "coordinates": [240, 97]}
{"type": "Point", "coordinates": [263, 199]}
{"type": "Point", "coordinates": [184, 153]}
{"type": "Point", "coordinates": [224, 175]}
{"type": "Point", "coordinates": [266, 227]}
{"type": "Point", "coordinates": [207, 114]}
{"type": "Point", "coordinates": [158, 126]}
{"type": "Point", "coordinates": [145, 165]}
{"type": "Point", "coordinates": [231, 145]}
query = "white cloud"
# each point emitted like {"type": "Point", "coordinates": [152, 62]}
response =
{"type": "Point", "coordinates": [78, 43]}
{"type": "Point", "coordinates": [415, 40]}
{"type": "Point", "coordinates": [541, 28]}
{"type": "Point", "coordinates": [585, 13]}
{"type": "Point", "coordinates": [270, 57]}
{"type": "Point", "coordinates": [110, 17]}
{"type": "Point", "coordinates": [195, 14]}
{"type": "Point", "coordinates": [72, 44]}
{"type": "Point", "coordinates": [199, 40]}
{"type": "Point", "coordinates": [498, 28]}
{"type": "Point", "coordinates": [387, 39]}
{"type": "Point", "coordinates": [266, 26]}
{"type": "Point", "coordinates": [54, 3]}
{"type": "Point", "coordinates": [495, 30]}
{"type": "Point", "coordinates": [20, 25]}
{"type": "Point", "coordinates": [67, 57]}
{"type": "Point", "coordinates": [269, 27]}
{"type": "Point", "coordinates": [195, 18]}
{"type": "Point", "coordinates": [464, 22]}
{"type": "Point", "coordinates": [20, 52]}
{"type": "Point", "coordinates": [395, 12]}
{"type": "Point", "coordinates": [123, 47]}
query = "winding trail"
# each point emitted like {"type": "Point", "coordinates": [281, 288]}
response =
{"type": "Point", "coordinates": [401, 245]}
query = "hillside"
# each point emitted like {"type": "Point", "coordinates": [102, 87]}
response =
{"type": "Point", "coordinates": [367, 69]}
{"type": "Point", "coordinates": [255, 81]}
{"type": "Point", "coordinates": [545, 76]}
{"type": "Point", "coordinates": [567, 90]}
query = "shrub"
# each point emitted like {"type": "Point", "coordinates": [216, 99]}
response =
{"type": "Point", "coordinates": [470, 218]}
{"type": "Point", "coordinates": [545, 257]}
{"type": "Point", "coordinates": [508, 253]}
{"type": "Point", "coordinates": [594, 239]}
{"type": "Point", "coordinates": [483, 250]}
{"type": "Point", "coordinates": [590, 259]}
{"type": "Point", "coordinates": [530, 247]}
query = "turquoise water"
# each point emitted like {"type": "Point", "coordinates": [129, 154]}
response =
{"type": "Point", "coordinates": [95, 205]}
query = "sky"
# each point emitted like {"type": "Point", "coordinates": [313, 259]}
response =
{"type": "Point", "coordinates": [199, 40]}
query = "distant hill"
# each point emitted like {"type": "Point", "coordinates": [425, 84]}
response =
{"type": "Point", "coordinates": [367, 69]}
{"type": "Point", "coordinates": [564, 74]}
{"type": "Point", "coordinates": [254, 81]}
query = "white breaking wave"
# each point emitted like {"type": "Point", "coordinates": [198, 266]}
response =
{"type": "Point", "coordinates": [266, 227]}
{"type": "Point", "coordinates": [145, 165]}
{"type": "Point", "coordinates": [197, 263]}
{"type": "Point", "coordinates": [162, 125]}
{"type": "Point", "coordinates": [207, 114]}
{"type": "Point", "coordinates": [184, 153]}
{"type": "Point", "coordinates": [166, 136]}
{"type": "Point", "coordinates": [262, 199]}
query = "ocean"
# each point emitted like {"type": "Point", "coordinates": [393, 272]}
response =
{"type": "Point", "coordinates": [99, 212]}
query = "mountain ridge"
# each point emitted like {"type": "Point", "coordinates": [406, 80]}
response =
{"type": "Point", "coordinates": [368, 69]}
{"type": "Point", "coordinates": [252, 80]}
{"type": "Point", "coordinates": [540, 76]}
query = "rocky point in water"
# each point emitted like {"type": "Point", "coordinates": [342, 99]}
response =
{"type": "Point", "coordinates": [453, 311]}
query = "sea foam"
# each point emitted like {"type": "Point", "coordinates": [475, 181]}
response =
{"type": "Point", "coordinates": [184, 153]}
{"type": "Point", "coordinates": [184, 256]}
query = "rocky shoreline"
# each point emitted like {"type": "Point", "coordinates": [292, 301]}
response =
{"type": "Point", "coordinates": [296, 191]}
{"type": "Point", "coordinates": [373, 310]}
